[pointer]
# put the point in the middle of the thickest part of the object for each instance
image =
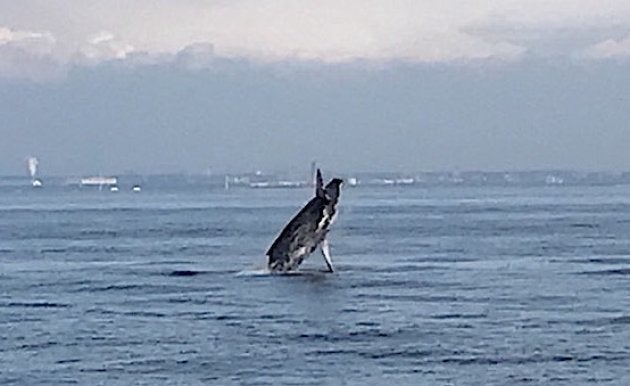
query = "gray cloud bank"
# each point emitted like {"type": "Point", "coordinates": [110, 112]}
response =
{"type": "Point", "coordinates": [188, 115]}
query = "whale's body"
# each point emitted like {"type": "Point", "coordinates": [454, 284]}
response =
{"type": "Point", "coordinates": [307, 230]}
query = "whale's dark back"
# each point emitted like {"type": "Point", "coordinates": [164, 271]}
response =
{"type": "Point", "coordinates": [299, 236]}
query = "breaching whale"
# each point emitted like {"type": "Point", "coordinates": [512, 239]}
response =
{"type": "Point", "coordinates": [307, 230]}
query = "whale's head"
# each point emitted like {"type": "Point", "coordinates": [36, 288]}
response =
{"type": "Point", "coordinates": [333, 189]}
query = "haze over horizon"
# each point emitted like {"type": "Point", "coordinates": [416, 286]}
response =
{"type": "Point", "coordinates": [155, 86]}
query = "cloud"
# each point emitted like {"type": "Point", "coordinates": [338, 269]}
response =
{"type": "Point", "coordinates": [104, 46]}
{"type": "Point", "coordinates": [325, 31]}
{"type": "Point", "coordinates": [609, 49]}
{"type": "Point", "coordinates": [7, 35]}
{"type": "Point", "coordinates": [38, 55]}
{"type": "Point", "coordinates": [28, 54]}
{"type": "Point", "coordinates": [328, 31]}
{"type": "Point", "coordinates": [41, 43]}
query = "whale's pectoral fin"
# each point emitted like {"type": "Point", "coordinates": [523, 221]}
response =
{"type": "Point", "coordinates": [319, 185]}
{"type": "Point", "coordinates": [326, 253]}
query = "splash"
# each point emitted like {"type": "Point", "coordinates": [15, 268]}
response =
{"type": "Point", "coordinates": [32, 166]}
{"type": "Point", "coordinates": [258, 272]}
{"type": "Point", "coordinates": [255, 272]}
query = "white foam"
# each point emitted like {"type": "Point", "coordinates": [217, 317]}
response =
{"type": "Point", "coordinates": [267, 272]}
{"type": "Point", "coordinates": [255, 272]}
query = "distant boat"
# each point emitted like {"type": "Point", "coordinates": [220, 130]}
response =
{"type": "Point", "coordinates": [99, 181]}
{"type": "Point", "coordinates": [37, 183]}
{"type": "Point", "coordinates": [136, 188]}
{"type": "Point", "coordinates": [113, 188]}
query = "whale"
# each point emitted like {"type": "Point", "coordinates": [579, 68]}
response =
{"type": "Point", "coordinates": [307, 230]}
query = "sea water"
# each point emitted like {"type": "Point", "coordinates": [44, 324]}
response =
{"type": "Point", "coordinates": [436, 286]}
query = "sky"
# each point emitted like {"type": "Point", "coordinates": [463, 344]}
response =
{"type": "Point", "coordinates": [112, 86]}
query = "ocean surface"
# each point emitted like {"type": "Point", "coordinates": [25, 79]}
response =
{"type": "Point", "coordinates": [434, 286]}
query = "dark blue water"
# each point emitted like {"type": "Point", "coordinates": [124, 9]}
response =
{"type": "Point", "coordinates": [444, 286]}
